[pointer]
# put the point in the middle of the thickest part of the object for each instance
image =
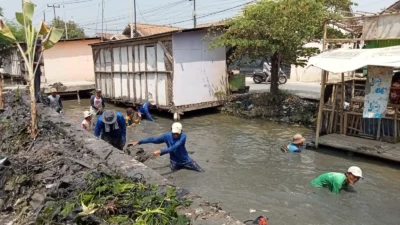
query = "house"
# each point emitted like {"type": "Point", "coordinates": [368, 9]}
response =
{"type": "Point", "coordinates": [174, 69]}
{"type": "Point", "coordinates": [70, 62]}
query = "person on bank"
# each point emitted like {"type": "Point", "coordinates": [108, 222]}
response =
{"type": "Point", "coordinates": [337, 181]}
{"type": "Point", "coordinates": [87, 122]}
{"type": "Point", "coordinates": [132, 117]}
{"type": "Point", "coordinates": [55, 101]}
{"type": "Point", "coordinates": [176, 149]}
{"type": "Point", "coordinates": [296, 145]}
{"type": "Point", "coordinates": [111, 127]}
{"type": "Point", "coordinates": [144, 111]}
{"type": "Point", "coordinates": [97, 104]}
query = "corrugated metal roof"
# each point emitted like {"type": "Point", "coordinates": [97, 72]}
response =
{"type": "Point", "coordinates": [149, 29]}
{"type": "Point", "coordinates": [395, 7]}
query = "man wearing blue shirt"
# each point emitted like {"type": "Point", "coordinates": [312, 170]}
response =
{"type": "Point", "coordinates": [176, 149]}
{"type": "Point", "coordinates": [111, 127]}
{"type": "Point", "coordinates": [296, 145]}
{"type": "Point", "coordinates": [144, 111]}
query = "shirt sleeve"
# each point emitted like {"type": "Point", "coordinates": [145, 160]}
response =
{"type": "Point", "coordinates": [153, 140]}
{"type": "Point", "coordinates": [98, 128]}
{"type": "Point", "coordinates": [122, 124]}
{"type": "Point", "coordinates": [336, 186]}
{"type": "Point", "coordinates": [60, 102]}
{"type": "Point", "coordinates": [149, 116]}
{"type": "Point", "coordinates": [174, 147]}
{"type": "Point", "coordinates": [92, 102]}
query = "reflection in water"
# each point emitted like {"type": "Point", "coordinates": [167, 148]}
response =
{"type": "Point", "coordinates": [246, 170]}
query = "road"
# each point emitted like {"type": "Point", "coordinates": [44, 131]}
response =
{"type": "Point", "coordinates": [304, 90]}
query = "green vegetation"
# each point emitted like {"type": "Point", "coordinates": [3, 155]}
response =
{"type": "Point", "coordinates": [278, 29]}
{"type": "Point", "coordinates": [118, 201]}
{"type": "Point", "coordinates": [73, 29]}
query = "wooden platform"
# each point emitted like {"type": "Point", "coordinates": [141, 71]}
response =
{"type": "Point", "coordinates": [377, 149]}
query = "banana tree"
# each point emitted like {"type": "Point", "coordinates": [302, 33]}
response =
{"type": "Point", "coordinates": [49, 37]}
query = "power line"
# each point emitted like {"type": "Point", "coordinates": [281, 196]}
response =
{"type": "Point", "coordinates": [213, 13]}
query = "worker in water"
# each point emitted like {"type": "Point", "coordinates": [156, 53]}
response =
{"type": "Point", "coordinates": [176, 149]}
{"type": "Point", "coordinates": [296, 145]}
{"type": "Point", "coordinates": [55, 101]}
{"type": "Point", "coordinates": [336, 181]}
{"type": "Point", "coordinates": [111, 127]}
{"type": "Point", "coordinates": [144, 111]}
{"type": "Point", "coordinates": [87, 122]}
{"type": "Point", "coordinates": [132, 117]}
{"type": "Point", "coordinates": [97, 104]}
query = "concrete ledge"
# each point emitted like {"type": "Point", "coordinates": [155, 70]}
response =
{"type": "Point", "coordinates": [200, 212]}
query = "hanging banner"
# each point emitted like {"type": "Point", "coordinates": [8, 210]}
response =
{"type": "Point", "coordinates": [378, 86]}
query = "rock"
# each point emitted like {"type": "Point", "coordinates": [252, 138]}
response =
{"type": "Point", "coordinates": [36, 200]}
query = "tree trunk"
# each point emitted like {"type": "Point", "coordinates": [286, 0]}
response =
{"type": "Point", "coordinates": [34, 127]}
{"type": "Point", "coordinates": [275, 73]}
{"type": "Point", "coordinates": [1, 93]}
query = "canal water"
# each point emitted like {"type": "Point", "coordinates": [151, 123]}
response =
{"type": "Point", "coordinates": [246, 171]}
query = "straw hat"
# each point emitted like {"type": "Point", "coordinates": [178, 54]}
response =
{"type": "Point", "coordinates": [53, 90]}
{"type": "Point", "coordinates": [298, 139]}
{"type": "Point", "coordinates": [87, 114]}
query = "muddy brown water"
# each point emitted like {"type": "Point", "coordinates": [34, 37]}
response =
{"type": "Point", "coordinates": [246, 171]}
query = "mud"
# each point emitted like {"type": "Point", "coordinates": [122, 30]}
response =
{"type": "Point", "coordinates": [284, 107]}
{"type": "Point", "coordinates": [41, 179]}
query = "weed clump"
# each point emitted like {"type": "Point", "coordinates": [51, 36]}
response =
{"type": "Point", "coordinates": [109, 199]}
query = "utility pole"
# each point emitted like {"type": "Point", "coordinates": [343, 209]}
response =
{"type": "Point", "coordinates": [134, 8]}
{"type": "Point", "coordinates": [54, 10]}
{"type": "Point", "coordinates": [194, 13]}
{"type": "Point", "coordinates": [102, 20]}
{"type": "Point", "coordinates": [131, 24]}
{"type": "Point", "coordinates": [44, 15]}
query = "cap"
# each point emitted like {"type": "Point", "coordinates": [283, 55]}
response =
{"type": "Point", "coordinates": [98, 90]}
{"type": "Point", "coordinates": [53, 90]}
{"type": "Point", "coordinates": [355, 170]}
{"type": "Point", "coordinates": [86, 114]}
{"type": "Point", "coordinates": [109, 117]}
{"type": "Point", "coordinates": [177, 128]}
{"type": "Point", "coordinates": [298, 139]}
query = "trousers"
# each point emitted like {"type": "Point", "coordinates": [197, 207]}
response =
{"type": "Point", "coordinates": [189, 166]}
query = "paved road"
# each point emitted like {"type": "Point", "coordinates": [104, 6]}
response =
{"type": "Point", "coordinates": [304, 90]}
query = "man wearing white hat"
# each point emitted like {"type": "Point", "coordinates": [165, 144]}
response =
{"type": "Point", "coordinates": [176, 149]}
{"type": "Point", "coordinates": [336, 181]}
{"type": "Point", "coordinates": [87, 122]}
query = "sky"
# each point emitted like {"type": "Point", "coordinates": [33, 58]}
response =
{"type": "Point", "coordinates": [179, 13]}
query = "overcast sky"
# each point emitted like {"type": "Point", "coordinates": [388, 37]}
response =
{"type": "Point", "coordinates": [163, 12]}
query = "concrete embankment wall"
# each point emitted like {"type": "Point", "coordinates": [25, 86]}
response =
{"type": "Point", "coordinates": [200, 212]}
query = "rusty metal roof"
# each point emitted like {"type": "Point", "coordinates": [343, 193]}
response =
{"type": "Point", "coordinates": [149, 29]}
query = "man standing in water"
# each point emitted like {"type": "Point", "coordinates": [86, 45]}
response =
{"type": "Point", "coordinates": [97, 104]}
{"type": "Point", "coordinates": [55, 100]}
{"type": "Point", "coordinates": [176, 149]}
{"type": "Point", "coordinates": [111, 128]}
{"type": "Point", "coordinates": [336, 181]}
{"type": "Point", "coordinates": [296, 145]}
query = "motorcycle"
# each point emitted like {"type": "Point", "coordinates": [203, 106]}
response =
{"type": "Point", "coordinates": [264, 75]}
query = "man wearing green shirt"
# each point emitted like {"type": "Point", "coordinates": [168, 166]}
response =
{"type": "Point", "coordinates": [335, 181]}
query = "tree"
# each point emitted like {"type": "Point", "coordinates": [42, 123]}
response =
{"type": "Point", "coordinates": [278, 29]}
{"type": "Point", "coordinates": [49, 37]}
{"type": "Point", "coordinates": [73, 29]}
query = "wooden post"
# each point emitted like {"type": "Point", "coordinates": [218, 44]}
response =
{"type": "Point", "coordinates": [345, 124]}
{"type": "Point", "coordinates": [342, 105]}
{"type": "Point", "coordinates": [353, 88]}
{"type": "Point", "coordinates": [331, 120]}
{"type": "Point", "coordinates": [77, 95]}
{"type": "Point", "coordinates": [378, 132]}
{"type": "Point", "coordinates": [321, 107]}
{"type": "Point", "coordinates": [395, 124]}
{"type": "Point", "coordinates": [1, 92]}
